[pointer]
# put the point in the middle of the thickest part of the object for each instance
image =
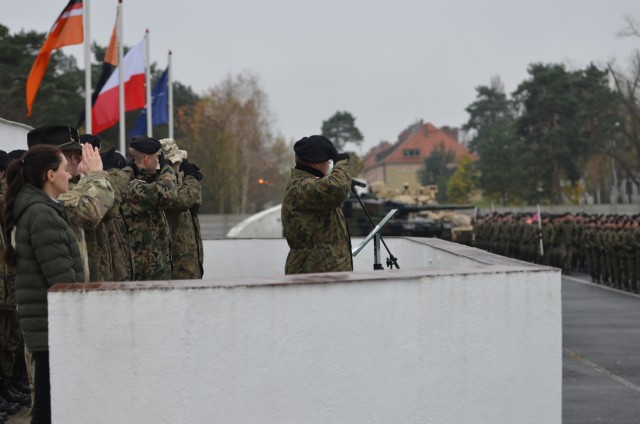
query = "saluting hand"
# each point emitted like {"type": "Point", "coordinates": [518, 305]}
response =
{"type": "Point", "coordinates": [91, 160]}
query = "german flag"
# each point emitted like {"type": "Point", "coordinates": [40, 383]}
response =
{"type": "Point", "coordinates": [66, 31]}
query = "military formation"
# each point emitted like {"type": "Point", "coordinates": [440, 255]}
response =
{"type": "Point", "coordinates": [134, 220]}
{"type": "Point", "coordinates": [607, 247]}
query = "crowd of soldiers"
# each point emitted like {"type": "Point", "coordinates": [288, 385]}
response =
{"type": "Point", "coordinates": [134, 220]}
{"type": "Point", "coordinates": [605, 246]}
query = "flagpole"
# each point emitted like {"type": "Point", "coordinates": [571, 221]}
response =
{"type": "Point", "coordinates": [87, 67]}
{"type": "Point", "coordinates": [148, 80]}
{"type": "Point", "coordinates": [170, 82]}
{"type": "Point", "coordinates": [123, 149]}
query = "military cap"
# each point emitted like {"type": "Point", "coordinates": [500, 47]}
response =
{"type": "Point", "coordinates": [112, 159]}
{"type": "Point", "coordinates": [94, 140]}
{"type": "Point", "coordinates": [315, 148]}
{"type": "Point", "coordinates": [4, 160]}
{"type": "Point", "coordinates": [16, 154]}
{"type": "Point", "coordinates": [171, 152]}
{"type": "Point", "coordinates": [64, 137]}
{"type": "Point", "coordinates": [144, 144]}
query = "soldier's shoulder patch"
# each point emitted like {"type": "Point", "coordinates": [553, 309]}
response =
{"type": "Point", "coordinates": [70, 198]}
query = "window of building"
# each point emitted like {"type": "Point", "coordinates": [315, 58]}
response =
{"type": "Point", "coordinates": [411, 152]}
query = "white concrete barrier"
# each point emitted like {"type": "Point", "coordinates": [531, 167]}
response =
{"type": "Point", "coordinates": [13, 135]}
{"type": "Point", "coordinates": [456, 336]}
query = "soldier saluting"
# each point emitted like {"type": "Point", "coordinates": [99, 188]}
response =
{"type": "Point", "coordinates": [312, 218]}
{"type": "Point", "coordinates": [149, 194]}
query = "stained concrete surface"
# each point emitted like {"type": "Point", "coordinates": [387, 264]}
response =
{"type": "Point", "coordinates": [601, 355]}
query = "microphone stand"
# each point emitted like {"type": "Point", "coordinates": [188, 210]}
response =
{"type": "Point", "coordinates": [391, 260]}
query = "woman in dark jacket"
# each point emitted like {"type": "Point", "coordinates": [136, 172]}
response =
{"type": "Point", "coordinates": [44, 252]}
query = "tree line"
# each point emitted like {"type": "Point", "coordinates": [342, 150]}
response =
{"type": "Point", "coordinates": [562, 133]}
{"type": "Point", "coordinates": [560, 136]}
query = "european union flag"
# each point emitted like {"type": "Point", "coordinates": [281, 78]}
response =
{"type": "Point", "coordinates": [159, 107]}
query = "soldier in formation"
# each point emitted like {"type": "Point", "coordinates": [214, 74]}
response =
{"type": "Point", "coordinates": [607, 247]}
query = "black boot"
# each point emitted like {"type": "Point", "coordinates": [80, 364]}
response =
{"type": "Point", "coordinates": [22, 385]}
{"type": "Point", "coordinates": [8, 407]}
{"type": "Point", "coordinates": [8, 392]}
{"type": "Point", "coordinates": [3, 417]}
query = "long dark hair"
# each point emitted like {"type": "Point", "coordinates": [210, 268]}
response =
{"type": "Point", "coordinates": [31, 169]}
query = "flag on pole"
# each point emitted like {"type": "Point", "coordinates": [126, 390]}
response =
{"type": "Point", "coordinates": [534, 218]}
{"type": "Point", "coordinates": [108, 64]}
{"type": "Point", "coordinates": [66, 31]}
{"type": "Point", "coordinates": [105, 112]}
{"type": "Point", "coordinates": [159, 107]}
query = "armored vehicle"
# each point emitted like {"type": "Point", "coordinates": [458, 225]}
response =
{"type": "Point", "coordinates": [419, 215]}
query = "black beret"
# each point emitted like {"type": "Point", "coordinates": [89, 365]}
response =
{"type": "Point", "coordinates": [62, 136]}
{"type": "Point", "coordinates": [112, 159]}
{"type": "Point", "coordinates": [94, 140]}
{"type": "Point", "coordinates": [315, 148]}
{"type": "Point", "coordinates": [144, 144]}
{"type": "Point", "coordinates": [16, 154]}
{"type": "Point", "coordinates": [4, 160]}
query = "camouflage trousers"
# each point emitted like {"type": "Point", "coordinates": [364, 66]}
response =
{"type": "Point", "coordinates": [11, 341]}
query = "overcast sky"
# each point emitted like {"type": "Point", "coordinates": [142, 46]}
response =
{"type": "Point", "coordinates": [389, 63]}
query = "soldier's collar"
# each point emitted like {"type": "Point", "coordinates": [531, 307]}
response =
{"type": "Point", "coordinates": [310, 170]}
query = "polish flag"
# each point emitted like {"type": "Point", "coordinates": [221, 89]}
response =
{"type": "Point", "coordinates": [105, 112]}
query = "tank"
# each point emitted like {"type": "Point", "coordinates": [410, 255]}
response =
{"type": "Point", "coordinates": [419, 214]}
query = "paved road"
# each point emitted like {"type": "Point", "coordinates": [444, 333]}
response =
{"type": "Point", "coordinates": [601, 355]}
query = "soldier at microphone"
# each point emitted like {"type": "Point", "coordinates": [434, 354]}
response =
{"type": "Point", "coordinates": [312, 218]}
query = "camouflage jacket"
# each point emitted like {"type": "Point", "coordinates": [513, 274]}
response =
{"type": "Point", "coordinates": [148, 195]}
{"type": "Point", "coordinates": [121, 267]}
{"type": "Point", "coordinates": [7, 293]}
{"type": "Point", "coordinates": [186, 243]}
{"type": "Point", "coordinates": [85, 205]}
{"type": "Point", "coordinates": [313, 222]}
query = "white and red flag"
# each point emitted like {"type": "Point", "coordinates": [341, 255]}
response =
{"type": "Point", "coordinates": [105, 111]}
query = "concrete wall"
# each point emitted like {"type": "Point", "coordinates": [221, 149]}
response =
{"type": "Point", "coordinates": [13, 135]}
{"type": "Point", "coordinates": [470, 338]}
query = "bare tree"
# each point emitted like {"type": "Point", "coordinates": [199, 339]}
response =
{"type": "Point", "coordinates": [231, 128]}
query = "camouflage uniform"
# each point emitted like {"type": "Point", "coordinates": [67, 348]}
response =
{"type": "Point", "coordinates": [11, 340]}
{"type": "Point", "coordinates": [85, 204]}
{"type": "Point", "coordinates": [186, 243]}
{"type": "Point", "coordinates": [313, 222]}
{"type": "Point", "coordinates": [143, 208]}
{"type": "Point", "coordinates": [635, 263]}
{"type": "Point", "coordinates": [122, 269]}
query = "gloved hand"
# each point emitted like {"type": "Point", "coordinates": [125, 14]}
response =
{"type": "Point", "coordinates": [163, 161]}
{"type": "Point", "coordinates": [191, 169]}
{"type": "Point", "coordinates": [340, 156]}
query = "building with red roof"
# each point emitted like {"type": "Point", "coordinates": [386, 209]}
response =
{"type": "Point", "coordinates": [398, 164]}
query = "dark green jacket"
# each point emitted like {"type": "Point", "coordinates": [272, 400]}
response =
{"type": "Point", "coordinates": [48, 253]}
{"type": "Point", "coordinates": [313, 221]}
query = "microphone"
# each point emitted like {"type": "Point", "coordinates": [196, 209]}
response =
{"type": "Point", "coordinates": [357, 183]}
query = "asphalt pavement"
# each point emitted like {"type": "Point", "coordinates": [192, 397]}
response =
{"type": "Point", "coordinates": [601, 353]}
